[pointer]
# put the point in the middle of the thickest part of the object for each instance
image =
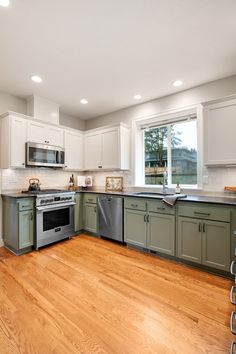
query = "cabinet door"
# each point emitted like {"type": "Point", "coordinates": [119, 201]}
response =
{"type": "Point", "coordinates": [219, 123]}
{"type": "Point", "coordinates": [73, 150]}
{"type": "Point", "coordinates": [26, 228]}
{"type": "Point", "coordinates": [54, 135]}
{"type": "Point", "coordinates": [90, 217]}
{"type": "Point", "coordinates": [36, 132]}
{"type": "Point", "coordinates": [216, 244]}
{"type": "Point", "coordinates": [18, 133]}
{"type": "Point", "coordinates": [78, 212]}
{"type": "Point", "coordinates": [92, 152]}
{"type": "Point", "coordinates": [161, 233]}
{"type": "Point", "coordinates": [110, 149]}
{"type": "Point", "coordinates": [189, 239]}
{"type": "Point", "coordinates": [135, 227]}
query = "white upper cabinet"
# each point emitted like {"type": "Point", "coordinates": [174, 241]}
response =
{"type": "Point", "coordinates": [92, 151]}
{"type": "Point", "coordinates": [13, 139]}
{"type": "Point", "coordinates": [45, 134]}
{"type": "Point", "coordinates": [110, 149]}
{"type": "Point", "coordinates": [73, 150]}
{"type": "Point", "coordinates": [107, 148]}
{"type": "Point", "coordinates": [219, 133]}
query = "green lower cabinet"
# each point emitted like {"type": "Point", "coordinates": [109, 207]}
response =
{"type": "Point", "coordinates": [189, 239]}
{"type": "Point", "coordinates": [26, 228]}
{"type": "Point", "coordinates": [78, 212]}
{"type": "Point", "coordinates": [135, 227]}
{"type": "Point", "coordinates": [216, 245]}
{"type": "Point", "coordinates": [90, 217]}
{"type": "Point", "coordinates": [204, 241]}
{"type": "Point", "coordinates": [161, 233]}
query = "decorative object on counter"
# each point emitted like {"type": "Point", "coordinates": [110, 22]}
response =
{"type": "Point", "coordinates": [230, 188]}
{"type": "Point", "coordinates": [177, 189]}
{"type": "Point", "coordinates": [114, 184]}
{"type": "Point", "coordinates": [34, 185]}
{"type": "Point", "coordinates": [72, 183]}
{"type": "Point", "coordinates": [84, 181]}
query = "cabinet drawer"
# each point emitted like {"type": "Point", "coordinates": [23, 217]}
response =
{"type": "Point", "coordinates": [158, 206]}
{"type": "Point", "coordinates": [204, 212]}
{"type": "Point", "coordinates": [90, 198]}
{"type": "Point", "coordinates": [135, 203]}
{"type": "Point", "coordinates": [25, 204]}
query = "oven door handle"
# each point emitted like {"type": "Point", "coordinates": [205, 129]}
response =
{"type": "Point", "coordinates": [54, 206]}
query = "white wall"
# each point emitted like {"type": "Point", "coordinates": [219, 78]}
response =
{"type": "Point", "coordinates": [12, 103]}
{"type": "Point", "coordinates": [72, 122]}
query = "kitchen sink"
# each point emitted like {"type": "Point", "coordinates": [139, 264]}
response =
{"type": "Point", "coordinates": [148, 194]}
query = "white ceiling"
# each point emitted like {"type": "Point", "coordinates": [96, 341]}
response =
{"type": "Point", "coordinates": [109, 50]}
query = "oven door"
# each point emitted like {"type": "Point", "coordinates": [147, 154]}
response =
{"type": "Point", "coordinates": [44, 155]}
{"type": "Point", "coordinates": [54, 223]}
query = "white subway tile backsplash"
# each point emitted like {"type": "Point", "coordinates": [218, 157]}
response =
{"type": "Point", "coordinates": [19, 179]}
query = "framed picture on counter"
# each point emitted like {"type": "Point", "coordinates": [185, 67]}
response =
{"type": "Point", "coordinates": [114, 184]}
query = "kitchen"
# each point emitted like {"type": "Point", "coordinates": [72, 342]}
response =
{"type": "Point", "coordinates": [118, 206]}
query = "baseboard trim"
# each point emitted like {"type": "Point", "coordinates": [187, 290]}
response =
{"type": "Point", "coordinates": [1, 242]}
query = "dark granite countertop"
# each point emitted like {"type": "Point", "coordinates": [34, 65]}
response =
{"type": "Point", "coordinates": [211, 199]}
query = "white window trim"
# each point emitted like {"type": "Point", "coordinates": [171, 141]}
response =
{"type": "Point", "coordinates": [137, 145]}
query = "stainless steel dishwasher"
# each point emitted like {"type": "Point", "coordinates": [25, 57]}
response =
{"type": "Point", "coordinates": [110, 217]}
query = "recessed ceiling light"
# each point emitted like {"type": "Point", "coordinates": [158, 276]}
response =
{"type": "Point", "coordinates": [177, 83]}
{"type": "Point", "coordinates": [4, 3]}
{"type": "Point", "coordinates": [84, 101]}
{"type": "Point", "coordinates": [36, 78]}
{"type": "Point", "coordinates": [137, 97]}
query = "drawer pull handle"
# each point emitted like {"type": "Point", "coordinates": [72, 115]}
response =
{"type": "Point", "coordinates": [90, 200]}
{"type": "Point", "coordinates": [145, 218]}
{"type": "Point", "coordinates": [232, 347]}
{"type": "Point", "coordinates": [232, 292]}
{"type": "Point", "coordinates": [134, 205]}
{"type": "Point", "coordinates": [232, 268]}
{"type": "Point", "coordinates": [202, 214]}
{"type": "Point", "coordinates": [160, 208]}
{"type": "Point", "coordinates": [232, 318]}
{"type": "Point", "coordinates": [200, 227]}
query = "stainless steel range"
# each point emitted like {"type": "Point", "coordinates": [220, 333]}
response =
{"type": "Point", "coordinates": [54, 216]}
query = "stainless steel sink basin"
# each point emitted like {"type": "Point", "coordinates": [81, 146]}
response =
{"type": "Point", "coordinates": [148, 194]}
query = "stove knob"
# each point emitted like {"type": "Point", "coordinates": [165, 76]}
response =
{"type": "Point", "coordinates": [42, 201]}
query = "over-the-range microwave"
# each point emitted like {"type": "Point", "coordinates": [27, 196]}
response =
{"type": "Point", "coordinates": [44, 155]}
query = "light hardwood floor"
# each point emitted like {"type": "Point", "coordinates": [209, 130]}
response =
{"type": "Point", "coordinates": [87, 295]}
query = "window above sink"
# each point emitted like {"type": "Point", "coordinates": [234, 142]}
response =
{"type": "Point", "coordinates": [169, 145]}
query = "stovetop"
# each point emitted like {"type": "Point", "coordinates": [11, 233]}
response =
{"type": "Point", "coordinates": [47, 191]}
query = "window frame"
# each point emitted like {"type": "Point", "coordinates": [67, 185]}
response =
{"type": "Point", "coordinates": [169, 117]}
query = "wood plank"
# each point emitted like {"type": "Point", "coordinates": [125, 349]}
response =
{"type": "Point", "coordinates": [88, 295]}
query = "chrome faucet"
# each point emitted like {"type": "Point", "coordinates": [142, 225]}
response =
{"type": "Point", "coordinates": [165, 182]}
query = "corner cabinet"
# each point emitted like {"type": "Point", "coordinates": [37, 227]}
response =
{"type": "Point", "coordinates": [219, 125]}
{"type": "Point", "coordinates": [18, 224]}
{"type": "Point", "coordinates": [107, 148]}
{"type": "Point", "coordinates": [203, 235]}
